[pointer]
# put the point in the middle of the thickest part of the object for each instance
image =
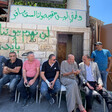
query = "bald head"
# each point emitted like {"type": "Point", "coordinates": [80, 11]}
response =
{"type": "Point", "coordinates": [71, 59]}
{"type": "Point", "coordinates": [70, 56]}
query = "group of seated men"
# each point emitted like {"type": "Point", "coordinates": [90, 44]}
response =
{"type": "Point", "coordinates": [25, 78]}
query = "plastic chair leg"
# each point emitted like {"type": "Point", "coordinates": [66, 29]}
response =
{"type": "Point", "coordinates": [60, 99]}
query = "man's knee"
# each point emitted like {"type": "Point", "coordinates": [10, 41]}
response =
{"type": "Point", "coordinates": [13, 84]}
{"type": "Point", "coordinates": [105, 93]}
{"type": "Point", "coordinates": [43, 90]}
{"type": "Point", "coordinates": [88, 93]}
{"type": "Point", "coordinates": [57, 87]}
{"type": "Point", "coordinates": [33, 89]}
{"type": "Point", "coordinates": [12, 87]}
{"type": "Point", "coordinates": [74, 83]}
{"type": "Point", "coordinates": [20, 86]}
{"type": "Point", "coordinates": [1, 82]}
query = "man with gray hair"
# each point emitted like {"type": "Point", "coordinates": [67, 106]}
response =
{"type": "Point", "coordinates": [69, 72]}
{"type": "Point", "coordinates": [28, 84]}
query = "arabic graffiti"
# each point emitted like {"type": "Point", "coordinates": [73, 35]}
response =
{"type": "Point", "coordinates": [15, 33]}
{"type": "Point", "coordinates": [71, 17]}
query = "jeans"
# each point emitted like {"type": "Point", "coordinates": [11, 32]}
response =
{"type": "Point", "coordinates": [104, 78]}
{"type": "Point", "coordinates": [46, 91]}
{"type": "Point", "coordinates": [27, 92]}
{"type": "Point", "coordinates": [2, 61]}
{"type": "Point", "coordinates": [103, 93]}
{"type": "Point", "coordinates": [13, 81]}
{"type": "Point", "coordinates": [1, 70]}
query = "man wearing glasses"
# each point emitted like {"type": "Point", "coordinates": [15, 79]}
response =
{"type": "Point", "coordinates": [12, 73]}
{"type": "Point", "coordinates": [50, 84]}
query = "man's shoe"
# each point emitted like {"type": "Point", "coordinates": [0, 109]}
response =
{"type": "Point", "coordinates": [51, 101]}
{"type": "Point", "coordinates": [98, 99]}
{"type": "Point", "coordinates": [54, 97]}
{"type": "Point", "coordinates": [24, 102]}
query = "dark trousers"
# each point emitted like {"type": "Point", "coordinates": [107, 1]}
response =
{"type": "Point", "coordinates": [13, 81]}
{"type": "Point", "coordinates": [103, 93]}
{"type": "Point", "coordinates": [27, 91]}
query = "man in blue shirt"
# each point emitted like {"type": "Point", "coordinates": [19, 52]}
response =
{"type": "Point", "coordinates": [103, 58]}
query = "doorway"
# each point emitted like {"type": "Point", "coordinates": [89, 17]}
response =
{"type": "Point", "coordinates": [70, 44]}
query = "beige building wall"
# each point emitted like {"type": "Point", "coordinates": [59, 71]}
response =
{"type": "Point", "coordinates": [40, 39]}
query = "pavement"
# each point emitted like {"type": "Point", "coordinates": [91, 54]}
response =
{"type": "Point", "coordinates": [44, 106]}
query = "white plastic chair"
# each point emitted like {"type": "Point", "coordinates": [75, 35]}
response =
{"type": "Point", "coordinates": [7, 84]}
{"type": "Point", "coordinates": [63, 88]}
{"type": "Point", "coordinates": [18, 97]}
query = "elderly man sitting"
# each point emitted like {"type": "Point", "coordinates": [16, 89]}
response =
{"type": "Point", "coordinates": [69, 70]}
{"type": "Point", "coordinates": [91, 78]}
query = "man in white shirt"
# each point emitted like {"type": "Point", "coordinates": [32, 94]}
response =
{"type": "Point", "coordinates": [89, 73]}
{"type": "Point", "coordinates": [91, 79]}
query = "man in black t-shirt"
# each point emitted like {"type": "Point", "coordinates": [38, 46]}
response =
{"type": "Point", "coordinates": [50, 84]}
{"type": "Point", "coordinates": [12, 73]}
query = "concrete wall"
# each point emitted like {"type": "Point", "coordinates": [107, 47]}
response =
{"type": "Point", "coordinates": [40, 39]}
{"type": "Point", "coordinates": [76, 4]}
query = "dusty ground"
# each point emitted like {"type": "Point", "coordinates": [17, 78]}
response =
{"type": "Point", "coordinates": [44, 106]}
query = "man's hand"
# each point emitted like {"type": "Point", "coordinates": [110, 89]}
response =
{"type": "Point", "coordinates": [52, 84]}
{"type": "Point", "coordinates": [25, 81]}
{"type": "Point", "coordinates": [75, 72]}
{"type": "Point", "coordinates": [107, 69]}
{"type": "Point", "coordinates": [9, 69]}
{"type": "Point", "coordinates": [99, 87]}
{"type": "Point", "coordinates": [90, 87]}
{"type": "Point", "coordinates": [31, 82]}
{"type": "Point", "coordinates": [5, 70]}
{"type": "Point", "coordinates": [48, 83]}
{"type": "Point", "coordinates": [78, 71]}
